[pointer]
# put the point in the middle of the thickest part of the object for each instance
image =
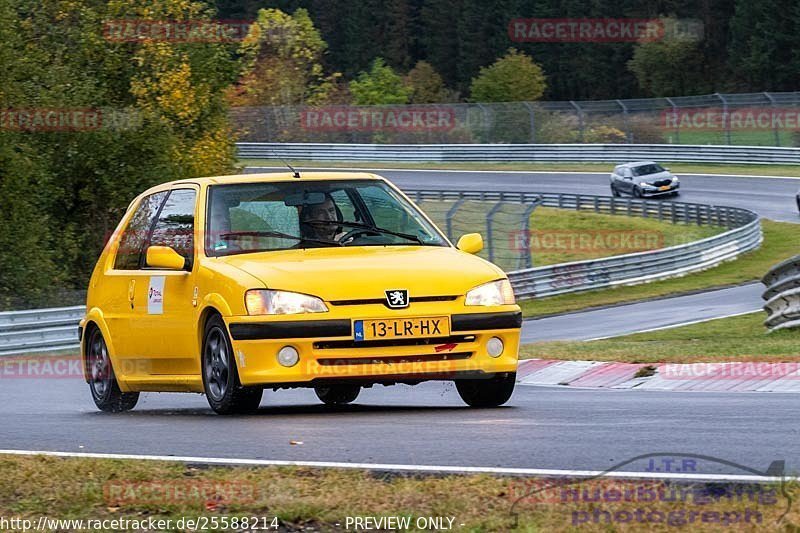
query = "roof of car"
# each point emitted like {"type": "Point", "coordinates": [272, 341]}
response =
{"type": "Point", "coordinates": [637, 164]}
{"type": "Point", "coordinates": [266, 178]}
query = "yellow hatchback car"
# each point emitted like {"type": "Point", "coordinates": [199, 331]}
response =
{"type": "Point", "coordinates": [336, 281]}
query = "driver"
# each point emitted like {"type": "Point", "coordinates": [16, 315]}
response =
{"type": "Point", "coordinates": [326, 211]}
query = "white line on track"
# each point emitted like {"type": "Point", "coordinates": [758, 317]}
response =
{"type": "Point", "coordinates": [680, 325]}
{"type": "Point", "coordinates": [411, 468]}
{"type": "Point", "coordinates": [442, 170]}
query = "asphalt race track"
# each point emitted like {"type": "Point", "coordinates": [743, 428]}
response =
{"type": "Point", "coordinates": [772, 198]}
{"type": "Point", "coordinates": [643, 316]}
{"type": "Point", "coordinates": [542, 428]}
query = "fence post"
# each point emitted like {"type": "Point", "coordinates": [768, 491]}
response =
{"type": "Point", "coordinates": [526, 228]}
{"type": "Point", "coordinates": [677, 123]}
{"type": "Point", "coordinates": [774, 124]}
{"type": "Point", "coordinates": [628, 132]}
{"type": "Point", "coordinates": [449, 217]}
{"type": "Point", "coordinates": [580, 118]}
{"type": "Point", "coordinates": [489, 221]}
{"type": "Point", "coordinates": [725, 117]}
{"type": "Point", "coordinates": [529, 107]}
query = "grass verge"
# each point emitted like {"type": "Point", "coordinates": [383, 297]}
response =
{"type": "Point", "coordinates": [305, 499]}
{"type": "Point", "coordinates": [563, 235]}
{"type": "Point", "coordinates": [742, 338]}
{"type": "Point", "coordinates": [781, 241]}
{"type": "Point", "coordinates": [679, 168]}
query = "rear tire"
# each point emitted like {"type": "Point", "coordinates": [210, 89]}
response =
{"type": "Point", "coordinates": [224, 391]}
{"type": "Point", "coordinates": [492, 392]}
{"type": "Point", "coordinates": [337, 394]}
{"type": "Point", "coordinates": [103, 384]}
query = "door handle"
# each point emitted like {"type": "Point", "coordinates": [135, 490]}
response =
{"type": "Point", "coordinates": [131, 291]}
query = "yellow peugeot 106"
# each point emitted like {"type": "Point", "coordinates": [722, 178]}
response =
{"type": "Point", "coordinates": [335, 281]}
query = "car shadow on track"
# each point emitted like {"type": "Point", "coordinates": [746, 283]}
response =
{"type": "Point", "coordinates": [296, 410]}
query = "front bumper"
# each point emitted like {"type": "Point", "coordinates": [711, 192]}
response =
{"type": "Point", "coordinates": [328, 352]}
{"type": "Point", "coordinates": [656, 191]}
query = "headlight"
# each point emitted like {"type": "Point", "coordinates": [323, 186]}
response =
{"type": "Point", "coordinates": [674, 179]}
{"type": "Point", "coordinates": [493, 293]}
{"type": "Point", "coordinates": [644, 184]}
{"type": "Point", "coordinates": [266, 302]}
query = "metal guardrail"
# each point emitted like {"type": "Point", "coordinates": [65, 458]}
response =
{"type": "Point", "coordinates": [56, 329]}
{"type": "Point", "coordinates": [744, 234]}
{"type": "Point", "coordinates": [40, 330]}
{"type": "Point", "coordinates": [534, 153]}
{"type": "Point", "coordinates": [783, 295]}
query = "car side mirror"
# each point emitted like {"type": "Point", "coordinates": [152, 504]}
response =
{"type": "Point", "coordinates": [472, 243]}
{"type": "Point", "coordinates": [165, 258]}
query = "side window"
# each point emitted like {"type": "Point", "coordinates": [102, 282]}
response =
{"type": "Point", "coordinates": [175, 225]}
{"type": "Point", "coordinates": [627, 173]}
{"type": "Point", "coordinates": [132, 242]}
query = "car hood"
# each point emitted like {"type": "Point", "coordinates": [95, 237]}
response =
{"type": "Point", "coordinates": [650, 178]}
{"type": "Point", "coordinates": [356, 273]}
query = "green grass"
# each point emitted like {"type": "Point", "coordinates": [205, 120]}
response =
{"type": "Point", "coordinates": [685, 168]}
{"type": "Point", "coordinates": [560, 233]}
{"type": "Point", "coordinates": [305, 499]}
{"type": "Point", "coordinates": [781, 241]}
{"type": "Point", "coordinates": [742, 338]}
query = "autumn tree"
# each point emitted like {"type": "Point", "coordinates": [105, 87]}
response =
{"type": "Point", "coordinates": [282, 62]}
{"type": "Point", "coordinates": [512, 78]}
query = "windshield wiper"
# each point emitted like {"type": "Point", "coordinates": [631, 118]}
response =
{"type": "Point", "coordinates": [277, 234]}
{"type": "Point", "coordinates": [376, 229]}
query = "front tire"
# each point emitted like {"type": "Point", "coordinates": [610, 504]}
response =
{"type": "Point", "coordinates": [492, 392]}
{"type": "Point", "coordinates": [637, 192]}
{"type": "Point", "coordinates": [224, 391]}
{"type": "Point", "coordinates": [337, 394]}
{"type": "Point", "coordinates": [615, 192]}
{"type": "Point", "coordinates": [103, 384]}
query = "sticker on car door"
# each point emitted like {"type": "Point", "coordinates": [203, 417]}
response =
{"type": "Point", "coordinates": [155, 296]}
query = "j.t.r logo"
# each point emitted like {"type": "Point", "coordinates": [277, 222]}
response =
{"type": "Point", "coordinates": [397, 298]}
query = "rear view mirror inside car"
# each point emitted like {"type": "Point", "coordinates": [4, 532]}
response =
{"type": "Point", "coordinates": [304, 198]}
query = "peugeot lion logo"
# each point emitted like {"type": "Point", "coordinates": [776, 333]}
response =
{"type": "Point", "coordinates": [397, 298]}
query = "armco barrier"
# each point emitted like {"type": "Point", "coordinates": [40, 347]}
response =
{"type": "Point", "coordinates": [783, 295]}
{"type": "Point", "coordinates": [55, 329]}
{"type": "Point", "coordinates": [39, 330]}
{"type": "Point", "coordinates": [501, 153]}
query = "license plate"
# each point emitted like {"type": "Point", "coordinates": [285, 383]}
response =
{"type": "Point", "coordinates": [401, 328]}
{"type": "Point", "coordinates": [664, 188]}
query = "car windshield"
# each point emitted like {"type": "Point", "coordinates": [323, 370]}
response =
{"type": "Point", "coordinates": [646, 170]}
{"type": "Point", "coordinates": [259, 217]}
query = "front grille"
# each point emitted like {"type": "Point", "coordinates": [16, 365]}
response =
{"type": "Point", "coordinates": [413, 299]}
{"type": "Point", "coordinates": [661, 183]}
{"type": "Point", "coordinates": [333, 345]}
{"type": "Point", "coordinates": [394, 359]}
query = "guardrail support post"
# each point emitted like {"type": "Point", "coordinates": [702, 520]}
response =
{"type": "Point", "coordinates": [529, 107]}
